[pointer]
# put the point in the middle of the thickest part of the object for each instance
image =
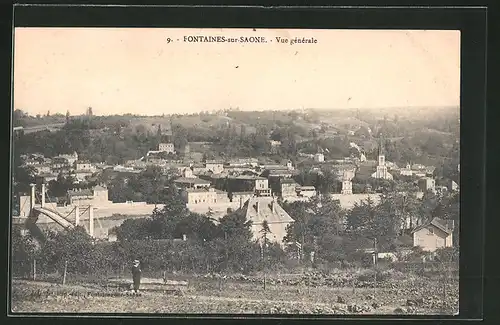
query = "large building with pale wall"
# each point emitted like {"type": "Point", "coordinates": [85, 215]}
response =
{"type": "Point", "coordinates": [84, 165]}
{"type": "Point", "coordinates": [204, 196]}
{"type": "Point", "coordinates": [259, 209]}
{"type": "Point", "coordinates": [98, 196]}
{"type": "Point", "coordinates": [166, 147]}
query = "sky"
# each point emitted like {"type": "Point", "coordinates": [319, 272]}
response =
{"type": "Point", "coordinates": [135, 70]}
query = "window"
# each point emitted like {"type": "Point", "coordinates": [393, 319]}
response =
{"type": "Point", "coordinates": [431, 231]}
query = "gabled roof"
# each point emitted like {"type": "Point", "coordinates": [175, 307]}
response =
{"type": "Point", "coordinates": [265, 211]}
{"type": "Point", "coordinates": [443, 225]}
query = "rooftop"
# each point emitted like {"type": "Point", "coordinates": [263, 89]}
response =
{"type": "Point", "coordinates": [191, 180]}
{"type": "Point", "coordinates": [83, 192]}
{"type": "Point", "coordinates": [444, 225]}
{"type": "Point", "coordinates": [288, 181]}
{"type": "Point", "coordinates": [265, 211]}
{"type": "Point", "coordinates": [247, 177]}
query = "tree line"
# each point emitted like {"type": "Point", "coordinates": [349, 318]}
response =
{"type": "Point", "coordinates": [175, 239]}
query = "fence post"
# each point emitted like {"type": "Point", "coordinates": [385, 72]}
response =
{"type": "Point", "coordinates": [65, 270]}
{"type": "Point", "coordinates": [34, 269]}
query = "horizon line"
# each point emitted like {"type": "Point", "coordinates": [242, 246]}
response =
{"type": "Point", "coordinates": [236, 109]}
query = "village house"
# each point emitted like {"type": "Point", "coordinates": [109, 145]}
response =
{"type": "Point", "coordinates": [427, 184]}
{"type": "Point", "coordinates": [306, 191]}
{"type": "Point", "coordinates": [249, 183]}
{"type": "Point", "coordinates": [346, 184]}
{"type": "Point", "coordinates": [43, 168]}
{"type": "Point", "coordinates": [288, 188]}
{"type": "Point", "coordinates": [70, 158]}
{"type": "Point", "coordinates": [33, 161]}
{"type": "Point", "coordinates": [215, 166]}
{"type": "Point", "coordinates": [319, 157]}
{"type": "Point", "coordinates": [98, 196]}
{"type": "Point", "coordinates": [435, 234]}
{"type": "Point", "coordinates": [242, 162]}
{"type": "Point", "coordinates": [283, 172]}
{"type": "Point", "coordinates": [406, 171]}
{"type": "Point", "coordinates": [198, 169]}
{"type": "Point", "coordinates": [199, 195]}
{"type": "Point", "coordinates": [83, 165]}
{"type": "Point", "coordinates": [47, 177]}
{"type": "Point", "coordinates": [82, 175]}
{"type": "Point", "coordinates": [260, 209]}
{"type": "Point", "coordinates": [262, 186]}
{"type": "Point", "coordinates": [192, 182]}
{"type": "Point", "coordinates": [241, 197]}
{"type": "Point", "coordinates": [166, 147]}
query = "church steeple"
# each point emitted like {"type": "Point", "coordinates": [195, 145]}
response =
{"type": "Point", "coordinates": [381, 151]}
{"type": "Point", "coordinates": [381, 147]}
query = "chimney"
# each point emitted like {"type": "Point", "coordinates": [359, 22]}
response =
{"type": "Point", "coordinates": [257, 206]}
{"type": "Point", "coordinates": [184, 237]}
{"type": "Point", "coordinates": [241, 202]}
{"type": "Point", "coordinates": [273, 206]}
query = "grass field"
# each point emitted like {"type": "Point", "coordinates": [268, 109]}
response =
{"type": "Point", "coordinates": [208, 296]}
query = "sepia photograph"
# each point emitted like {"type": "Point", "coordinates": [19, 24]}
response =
{"type": "Point", "coordinates": [235, 171]}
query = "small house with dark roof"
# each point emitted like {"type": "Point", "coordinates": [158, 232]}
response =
{"type": "Point", "coordinates": [435, 234]}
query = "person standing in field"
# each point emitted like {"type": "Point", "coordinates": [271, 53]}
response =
{"type": "Point", "coordinates": [136, 275]}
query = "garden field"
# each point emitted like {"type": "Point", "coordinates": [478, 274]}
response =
{"type": "Point", "coordinates": [246, 295]}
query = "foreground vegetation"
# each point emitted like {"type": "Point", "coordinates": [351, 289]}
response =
{"type": "Point", "coordinates": [408, 295]}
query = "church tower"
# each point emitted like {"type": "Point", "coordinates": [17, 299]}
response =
{"type": "Point", "coordinates": [381, 166]}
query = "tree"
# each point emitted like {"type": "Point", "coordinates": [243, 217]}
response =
{"type": "Point", "coordinates": [133, 229]}
{"type": "Point", "coordinates": [23, 252]}
{"type": "Point", "coordinates": [265, 231]}
{"type": "Point", "coordinates": [401, 208]}
{"type": "Point", "coordinates": [164, 222]}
